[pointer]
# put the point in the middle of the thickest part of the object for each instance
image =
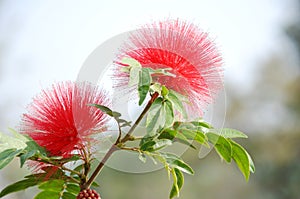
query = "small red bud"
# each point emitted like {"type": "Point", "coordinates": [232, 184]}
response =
{"type": "Point", "coordinates": [88, 194]}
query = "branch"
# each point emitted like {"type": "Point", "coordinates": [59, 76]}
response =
{"type": "Point", "coordinates": [114, 147]}
{"type": "Point", "coordinates": [128, 135]}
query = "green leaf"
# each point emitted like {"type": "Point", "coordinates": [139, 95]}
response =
{"type": "Point", "coordinates": [9, 142]}
{"type": "Point", "coordinates": [221, 145]}
{"type": "Point", "coordinates": [134, 76]}
{"type": "Point", "coordinates": [73, 188]}
{"type": "Point", "coordinates": [252, 166]}
{"type": "Point", "coordinates": [18, 136]}
{"type": "Point", "coordinates": [168, 113]}
{"type": "Point", "coordinates": [145, 139]}
{"type": "Point", "coordinates": [26, 156]}
{"type": "Point", "coordinates": [157, 104]}
{"type": "Point", "coordinates": [144, 82]}
{"type": "Point", "coordinates": [130, 62]}
{"type": "Point", "coordinates": [18, 186]}
{"type": "Point", "coordinates": [104, 109]}
{"type": "Point", "coordinates": [175, 162]}
{"type": "Point", "coordinates": [201, 138]}
{"type": "Point", "coordinates": [184, 125]}
{"type": "Point", "coordinates": [164, 91]}
{"type": "Point", "coordinates": [163, 71]}
{"type": "Point", "coordinates": [67, 195]}
{"type": "Point", "coordinates": [95, 184]}
{"type": "Point", "coordinates": [177, 103]}
{"type": "Point", "coordinates": [241, 158]}
{"type": "Point", "coordinates": [134, 67]}
{"type": "Point", "coordinates": [201, 124]}
{"type": "Point", "coordinates": [124, 123]}
{"type": "Point", "coordinates": [52, 185]}
{"type": "Point", "coordinates": [32, 149]}
{"type": "Point", "coordinates": [178, 181]}
{"type": "Point", "coordinates": [7, 156]}
{"type": "Point", "coordinates": [148, 146]}
{"type": "Point", "coordinates": [182, 139]}
{"type": "Point", "coordinates": [194, 135]}
{"type": "Point", "coordinates": [154, 145]}
{"type": "Point", "coordinates": [180, 97]}
{"type": "Point", "coordinates": [232, 133]}
{"type": "Point", "coordinates": [33, 146]}
{"type": "Point", "coordinates": [182, 166]}
{"type": "Point", "coordinates": [143, 91]}
{"type": "Point", "coordinates": [159, 144]}
{"type": "Point", "coordinates": [154, 118]}
{"type": "Point", "coordinates": [48, 195]}
{"type": "Point", "coordinates": [167, 134]}
{"type": "Point", "coordinates": [116, 114]}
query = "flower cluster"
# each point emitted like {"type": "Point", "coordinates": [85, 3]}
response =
{"type": "Point", "coordinates": [184, 48]}
{"type": "Point", "coordinates": [60, 119]}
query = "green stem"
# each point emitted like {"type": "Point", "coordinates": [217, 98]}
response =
{"type": "Point", "coordinates": [114, 147]}
{"type": "Point", "coordinates": [70, 170]}
{"type": "Point", "coordinates": [130, 149]}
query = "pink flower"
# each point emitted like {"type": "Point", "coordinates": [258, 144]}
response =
{"type": "Point", "coordinates": [184, 48]}
{"type": "Point", "coordinates": [60, 119]}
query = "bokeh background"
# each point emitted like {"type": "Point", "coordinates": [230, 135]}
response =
{"type": "Point", "coordinates": [42, 42]}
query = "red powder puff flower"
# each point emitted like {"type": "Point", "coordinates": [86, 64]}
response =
{"type": "Point", "coordinates": [185, 49]}
{"type": "Point", "coordinates": [60, 119]}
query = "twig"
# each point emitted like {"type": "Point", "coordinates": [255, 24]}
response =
{"type": "Point", "coordinates": [128, 135]}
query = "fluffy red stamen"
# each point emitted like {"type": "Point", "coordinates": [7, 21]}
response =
{"type": "Point", "coordinates": [184, 48]}
{"type": "Point", "coordinates": [60, 119]}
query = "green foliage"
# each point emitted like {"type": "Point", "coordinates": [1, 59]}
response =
{"type": "Point", "coordinates": [231, 133]}
{"type": "Point", "coordinates": [50, 180]}
{"type": "Point", "coordinates": [166, 123]}
{"type": "Point", "coordinates": [176, 99]}
{"type": "Point", "coordinates": [32, 150]}
{"type": "Point", "coordinates": [52, 185]}
{"type": "Point", "coordinates": [18, 141]}
{"type": "Point", "coordinates": [48, 195]}
{"type": "Point", "coordinates": [178, 181]}
{"type": "Point", "coordinates": [144, 84]}
{"type": "Point", "coordinates": [130, 62]}
{"type": "Point", "coordinates": [229, 149]}
{"type": "Point", "coordinates": [174, 165]}
{"type": "Point", "coordinates": [18, 186]}
{"type": "Point", "coordinates": [68, 195]}
{"type": "Point", "coordinates": [174, 161]}
{"type": "Point", "coordinates": [114, 114]}
{"type": "Point", "coordinates": [73, 188]}
{"type": "Point", "coordinates": [221, 145]}
{"type": "Point", "coordinates": [7, 156]}
{"type": "Point", "coordinates": [10, 147]}
{"type": "Point", "coordinates": [57, 189]}
{"type": "Point", "coordinates": [185, 133]}
{"type": "Point", "coordinates": [241, 158]}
